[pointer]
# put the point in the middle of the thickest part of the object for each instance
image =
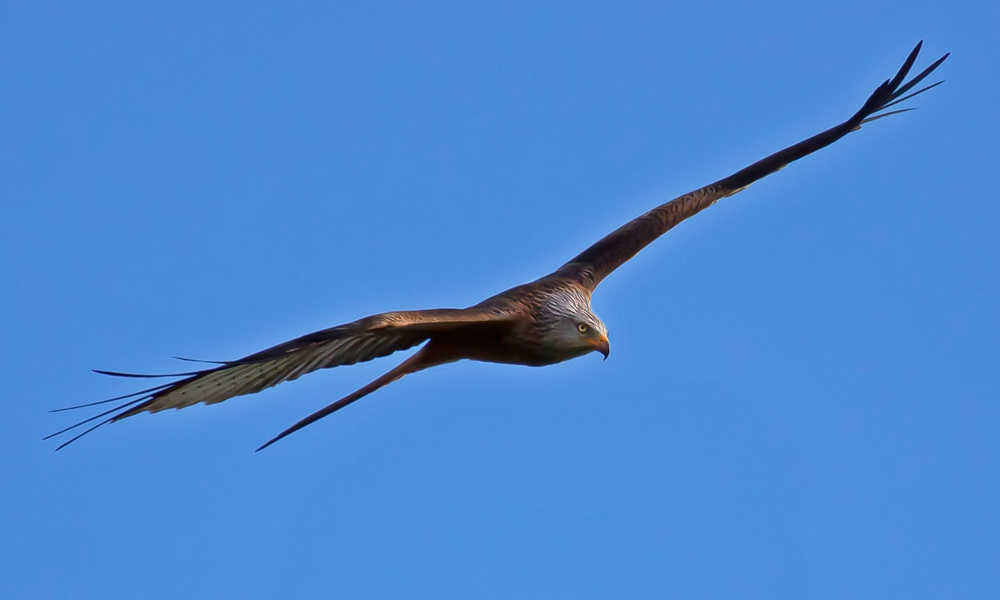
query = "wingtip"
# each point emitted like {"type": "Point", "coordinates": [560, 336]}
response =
{"type": "Point", "coordinates": [284, 433]}
{"type": "Point", "coordinates": [907, 65]}
{"type": "Point", "coordinates": [273, 440]}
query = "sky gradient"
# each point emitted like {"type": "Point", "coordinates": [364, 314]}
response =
{"type": "Point", "coordinates": [802, 395]}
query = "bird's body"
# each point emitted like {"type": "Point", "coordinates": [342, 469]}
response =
{"type": "Point", "coordinates": [540, 323]}
{"type": "Point", "coordinates": [546, 316]}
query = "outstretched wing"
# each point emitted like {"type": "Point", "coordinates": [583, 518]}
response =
{"type": "Point", "coordinates": [596, 262]}
{"type": "Point", "coordinates": [362, 340]}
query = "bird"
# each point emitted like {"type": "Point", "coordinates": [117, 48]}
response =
{"type": "Point", "coordinates": [544, 322]}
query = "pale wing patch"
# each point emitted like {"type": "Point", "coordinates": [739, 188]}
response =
{"type": "Point", "coordinates": [363, 340]}
{"type": "Point", "coordinates": [237, 379]}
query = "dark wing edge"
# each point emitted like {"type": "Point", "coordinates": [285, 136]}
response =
{"type": "Point", "coordinates": [595, 263]}
{"type": "Point", "coordinates": [363, 340]}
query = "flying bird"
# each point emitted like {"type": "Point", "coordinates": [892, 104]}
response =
{"type": "Point", "coordinates": [540, 323]}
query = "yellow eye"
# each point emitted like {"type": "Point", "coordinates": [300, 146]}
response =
{"type": "Point", "coordinates": [582, 328]}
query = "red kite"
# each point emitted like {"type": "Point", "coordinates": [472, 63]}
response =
{"type": "Point", "coordinates": [539, 323]}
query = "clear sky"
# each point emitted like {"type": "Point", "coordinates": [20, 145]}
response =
{"type": "Point", "coordinates": [802, 399]}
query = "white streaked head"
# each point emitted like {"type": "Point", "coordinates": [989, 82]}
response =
{"type": "Point", "coordinates": [570, 328]}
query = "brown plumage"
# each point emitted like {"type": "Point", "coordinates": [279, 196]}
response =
{"type": "Point", "coordinates": [539, 323]}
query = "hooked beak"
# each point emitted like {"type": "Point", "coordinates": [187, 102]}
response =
{"type": "Point", "coordinates": [603, 346]}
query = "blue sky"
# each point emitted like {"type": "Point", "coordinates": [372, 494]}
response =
{"type": "Point", "coordinates": [802, 395]}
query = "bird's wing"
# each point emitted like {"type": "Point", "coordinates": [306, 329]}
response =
{"type": "Point", "coordinates": [362, 340]}
{"type": "Point", "coordinates": [596, 262]}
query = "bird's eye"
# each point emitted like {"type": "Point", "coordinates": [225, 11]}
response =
{"type": "Point", "coordinates": [582, 327]}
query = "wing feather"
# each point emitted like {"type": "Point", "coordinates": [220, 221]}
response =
{"type": "Point", "coordinates": [592, 265]}
{"type": "Point", "coordinates": [360, 341]}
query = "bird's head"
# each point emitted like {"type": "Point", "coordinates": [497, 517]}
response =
{"type": "Point", "coordinates": [572, 329]}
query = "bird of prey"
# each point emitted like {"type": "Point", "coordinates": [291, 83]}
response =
{"type": "Point", "coordinates": [540, 323]}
